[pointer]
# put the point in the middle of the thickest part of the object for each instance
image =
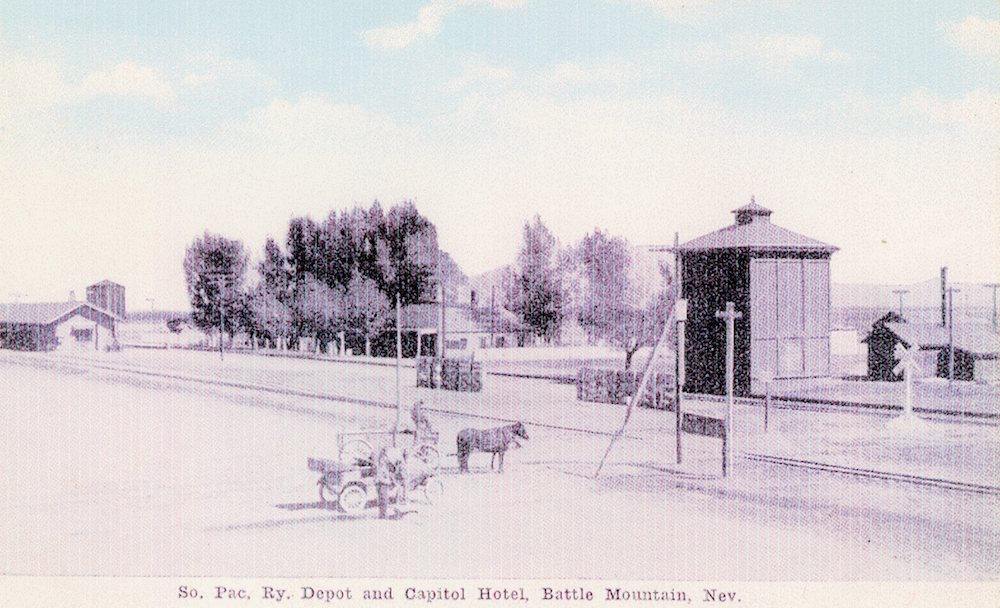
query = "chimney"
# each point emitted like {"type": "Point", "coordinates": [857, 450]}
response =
{"type": "Point", "coordinates": [72, 296]}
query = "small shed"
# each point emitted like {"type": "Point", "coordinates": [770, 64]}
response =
{"type": "Point", "coordinates": [977, 349]}
{"type": "Point", "coordinates": [778, 279]}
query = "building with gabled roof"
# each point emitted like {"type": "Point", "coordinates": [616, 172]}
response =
{"type": "Point", "coordinates": [45, 326]}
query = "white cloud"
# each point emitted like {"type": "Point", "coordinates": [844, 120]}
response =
{"type": "Point", "coordinates": [570, 73]}
{"type": "Point", "coordinates": [641, 168]}
{"type": "Point", "coordinates": [127, 79]}
{"type": "Point", "coordinates": [974, 36]}
{"type": "Point", "coordinates": [427, 24]}
{"type": "Point", "coordinates": [675, 10]}
{"type": "Point", "coordinates": [774, 52]}
{"type": "Point", "coordinates": [28, 82]}
{"type": "Point", "coordinates": [978, 110]}
{"type": "Point", "coordinates": [476, 72]}
{"type": "Point", "coordinates": [207, 68]}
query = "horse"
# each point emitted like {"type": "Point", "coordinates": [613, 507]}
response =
{"type": "Point", "coordinates": [495, 441]}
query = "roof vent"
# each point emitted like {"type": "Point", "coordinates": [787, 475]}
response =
{"type": "Point", "coordinates": [752, 212]}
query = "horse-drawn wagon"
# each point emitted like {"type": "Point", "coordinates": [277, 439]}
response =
{"type": "Point", "coordinates": [352, 481]}
{"type": "Point", "coordinates": [361, 444]}
{"type": "Point", "coordinates": [353, 486]}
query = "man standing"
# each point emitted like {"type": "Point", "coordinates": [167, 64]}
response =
{"type": "Point", "coordinates": [390, 474]}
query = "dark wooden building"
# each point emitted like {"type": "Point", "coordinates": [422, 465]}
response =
{"type": "Point", "coordinates": [778, 279]}
{"type": "Point", "coordinates": [977, 349]}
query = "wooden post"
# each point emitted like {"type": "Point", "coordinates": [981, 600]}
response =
{"type": "Point", "coordinates": [443, 314]}
{"type": "Point", "coordinates": [994, 287]}
{"type": "Point", "coordinates": [639, 391]}
{"type": "Point", "coordinates": [680, 309]}
{"type": "Point", "coordinates": [951, 337]}
{"type": "Point", "coordinates": [729, 315]}
{"type": "Point", "coordinates": [399, 358]}
{"type": "Point", "coordinates": [767, 403]}
{"type": "Point", "coordinates": [680, 345]}
{"type": "Point", "coordinates": [222, 322]}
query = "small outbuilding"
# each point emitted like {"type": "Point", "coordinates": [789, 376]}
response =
{"type": "Point", "coordinates": [778, 279]}
{"type": "Point", "coordinates": [50, 326]}
{"type": "Point", "coordinates": [977, 349]}
{"type": "Point", "coordinates": [467, 329]}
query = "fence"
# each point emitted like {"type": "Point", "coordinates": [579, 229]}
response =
{"type": "Point", "coordinates": [618, 386]}
{"type": "Point", "coordinates": [450, 374]}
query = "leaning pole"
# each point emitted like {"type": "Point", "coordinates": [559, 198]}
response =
{"type": "Point", "coordinates": [640, 390]}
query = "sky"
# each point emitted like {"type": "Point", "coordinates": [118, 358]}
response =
{"type": "Point", "coordinates": [128, 128]}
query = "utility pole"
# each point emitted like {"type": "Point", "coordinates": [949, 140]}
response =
{"type": "Point", "coordinates": [399, 357]}
{"type": "Point", "coordinates": [493, 295]}
{"type": "Point", "coordinates": [900, 293]}
{"type": "Point", "coordinates": [680, 316]}
{"type": "Point", "coordinates": [730, 316]}
{"type": "Point", "coordinates": [944, 296]}
{"type": "Point", "coordinates": [994, 287]}
{"type": "Point", "coordinates": [443, 314]}
{"type": "Point", "coordinates": [951, 336]}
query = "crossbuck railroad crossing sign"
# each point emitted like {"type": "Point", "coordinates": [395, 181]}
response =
{"type": "Point", "coordinates": [907, 366]}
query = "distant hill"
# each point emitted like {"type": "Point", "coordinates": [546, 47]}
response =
{"type": "Point", "coordinates": [923, 294]}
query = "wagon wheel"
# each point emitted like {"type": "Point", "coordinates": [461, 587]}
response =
{"type": "Point", "coordinates": [354, 450]}
{"type": "Point", "coordinates": [428, 455]}
{"type": "Point", "coordinates": [353, 498]}
{"type": "Point", "coordinates": [433, 490]}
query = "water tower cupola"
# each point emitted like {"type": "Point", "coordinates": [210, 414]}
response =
{"type": "Point", "coordinates": [752, 212]}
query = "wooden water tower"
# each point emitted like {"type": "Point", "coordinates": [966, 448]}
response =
{"type": "Point", "coordinates": [778, 279]}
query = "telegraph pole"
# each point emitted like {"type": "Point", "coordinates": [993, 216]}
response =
{"type": "Point", "coordinates": [900, 293]}
{"type": "Point", "coordinates": [680, 316]}
{"type": "Point", "coordinates": [730, 315]}
{"type": "Point", "coordinates": [399, 357]}
{"type": "Point", "coordinates": [951, 336]}
{"type": "Point", "coordinates": [493, 296]}
{"type": "Point", "coordinates": [994, 287]}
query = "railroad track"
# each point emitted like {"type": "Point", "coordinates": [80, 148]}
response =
{"type": "Point", "coordinates": [873, 474]}
{"type": "Point", "coordinates": [291, 392]}
{"type": "Point", "coordinates": [860, 473]}
{"type": "Point", "coordinates": [868, 409]}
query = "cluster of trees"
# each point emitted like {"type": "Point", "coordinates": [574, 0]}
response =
{"type": "Point", "coordinates": [340, 275]}
{"type": "Point", "coordinates": [344, 274]}
{"type": "Point", "coordinates": [612, 291]}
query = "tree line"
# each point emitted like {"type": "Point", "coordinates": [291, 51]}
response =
{"type": "Point", "coordinates": [339, 275]}
{"type": "Point", "coordinates": [343, 274]}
